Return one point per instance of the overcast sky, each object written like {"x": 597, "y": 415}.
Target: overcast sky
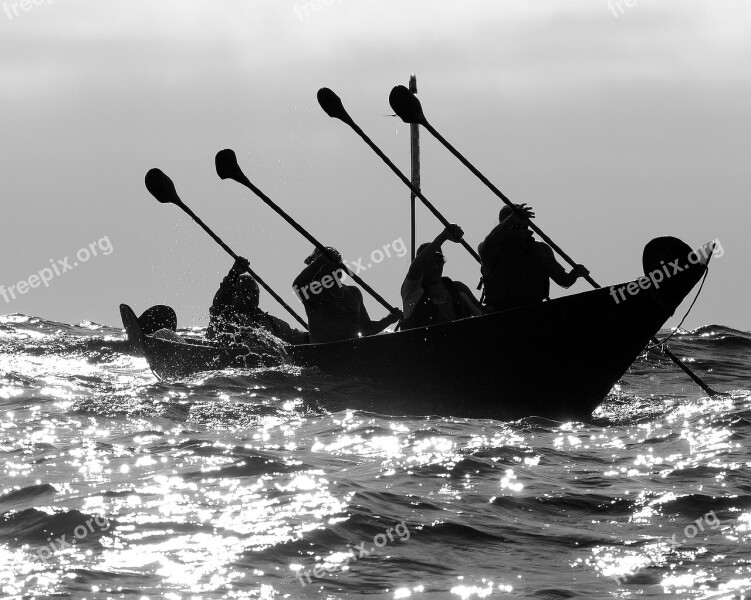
{"x": 617, "y": 123}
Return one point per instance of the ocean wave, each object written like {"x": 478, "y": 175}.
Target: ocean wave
{"x": 38, "y": 527}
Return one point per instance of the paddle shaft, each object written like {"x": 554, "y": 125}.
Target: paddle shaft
{"x": 555, "y": 246}
{"x": 247, "y": 183}
{"x": 686, "y": 370}
{"x": 408, "y": 183}
{"x": 502, "y": 196}
{"x": 229, "y": 251}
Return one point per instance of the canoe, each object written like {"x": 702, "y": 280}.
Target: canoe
{"x": 557, "y": 359}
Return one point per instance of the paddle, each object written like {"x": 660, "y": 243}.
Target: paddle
{"x": 332, "y": 106}
{"x": 163, "y": 189}
{"x": 408, "y": 107}
{"x": 228, "y": 168}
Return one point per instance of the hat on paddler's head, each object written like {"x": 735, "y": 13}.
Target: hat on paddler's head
{"x": 422, "y": 247}
{"x": 335, "y": 252}
{"x": 317, "y": 252}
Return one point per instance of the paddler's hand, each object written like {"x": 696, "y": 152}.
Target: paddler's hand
{"x": 241, "y": 265}
{"x": 315, "y": 254}
{"x": 394, "y": 316}
{"x": 580, "y": 271}
{"x": 524, "y": 212}
{"x": 454, "y": 233}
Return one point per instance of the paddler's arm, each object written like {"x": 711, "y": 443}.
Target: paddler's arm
{"x": 368, "y": 327}
{"x": 287, "y": 333}
{"x": 226, "y": 291}
{"x": 491, "y": 246}
{"x": 308, "y": 275}
{"x": 473, "y": 304}
{"x": 422, "y": 261}
{"x": 556, "y": 271}
{"x": 411, "y": 293}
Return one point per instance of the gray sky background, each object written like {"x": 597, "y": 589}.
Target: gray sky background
{"x": 616, "y": 129}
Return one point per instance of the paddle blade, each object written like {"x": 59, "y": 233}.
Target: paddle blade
{"x": 156, "y": 318}
{"x": 406, "y": 105}
{"x": 332, "y": 104}
{"x": 227, "y": 167}
{"x": 161, "y": 187}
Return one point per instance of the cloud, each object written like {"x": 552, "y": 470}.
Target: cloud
{"x": 514, "y": 45}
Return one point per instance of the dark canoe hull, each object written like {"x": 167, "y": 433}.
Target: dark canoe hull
{"x": 175, "y": 360}
{"x": 557, "y": 359}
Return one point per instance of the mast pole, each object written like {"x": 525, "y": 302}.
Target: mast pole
{"x": 414, "y": 137}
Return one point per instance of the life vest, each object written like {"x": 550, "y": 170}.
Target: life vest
{"x": 426, "y": 311}
{"x": 516, "y": 279}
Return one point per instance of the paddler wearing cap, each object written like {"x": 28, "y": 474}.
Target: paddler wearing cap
{"x": 517, "y": 268}
{"x": 335, "y": 311}
{"x": 428, "y": 297}
{"x": 235, "y": 310}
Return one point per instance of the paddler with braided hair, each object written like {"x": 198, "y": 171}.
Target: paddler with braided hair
{"x": 235, "y": 308}
{"x": 428, "y": 297}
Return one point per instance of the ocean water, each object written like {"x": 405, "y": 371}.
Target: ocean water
{"x": 233, "y": 484}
